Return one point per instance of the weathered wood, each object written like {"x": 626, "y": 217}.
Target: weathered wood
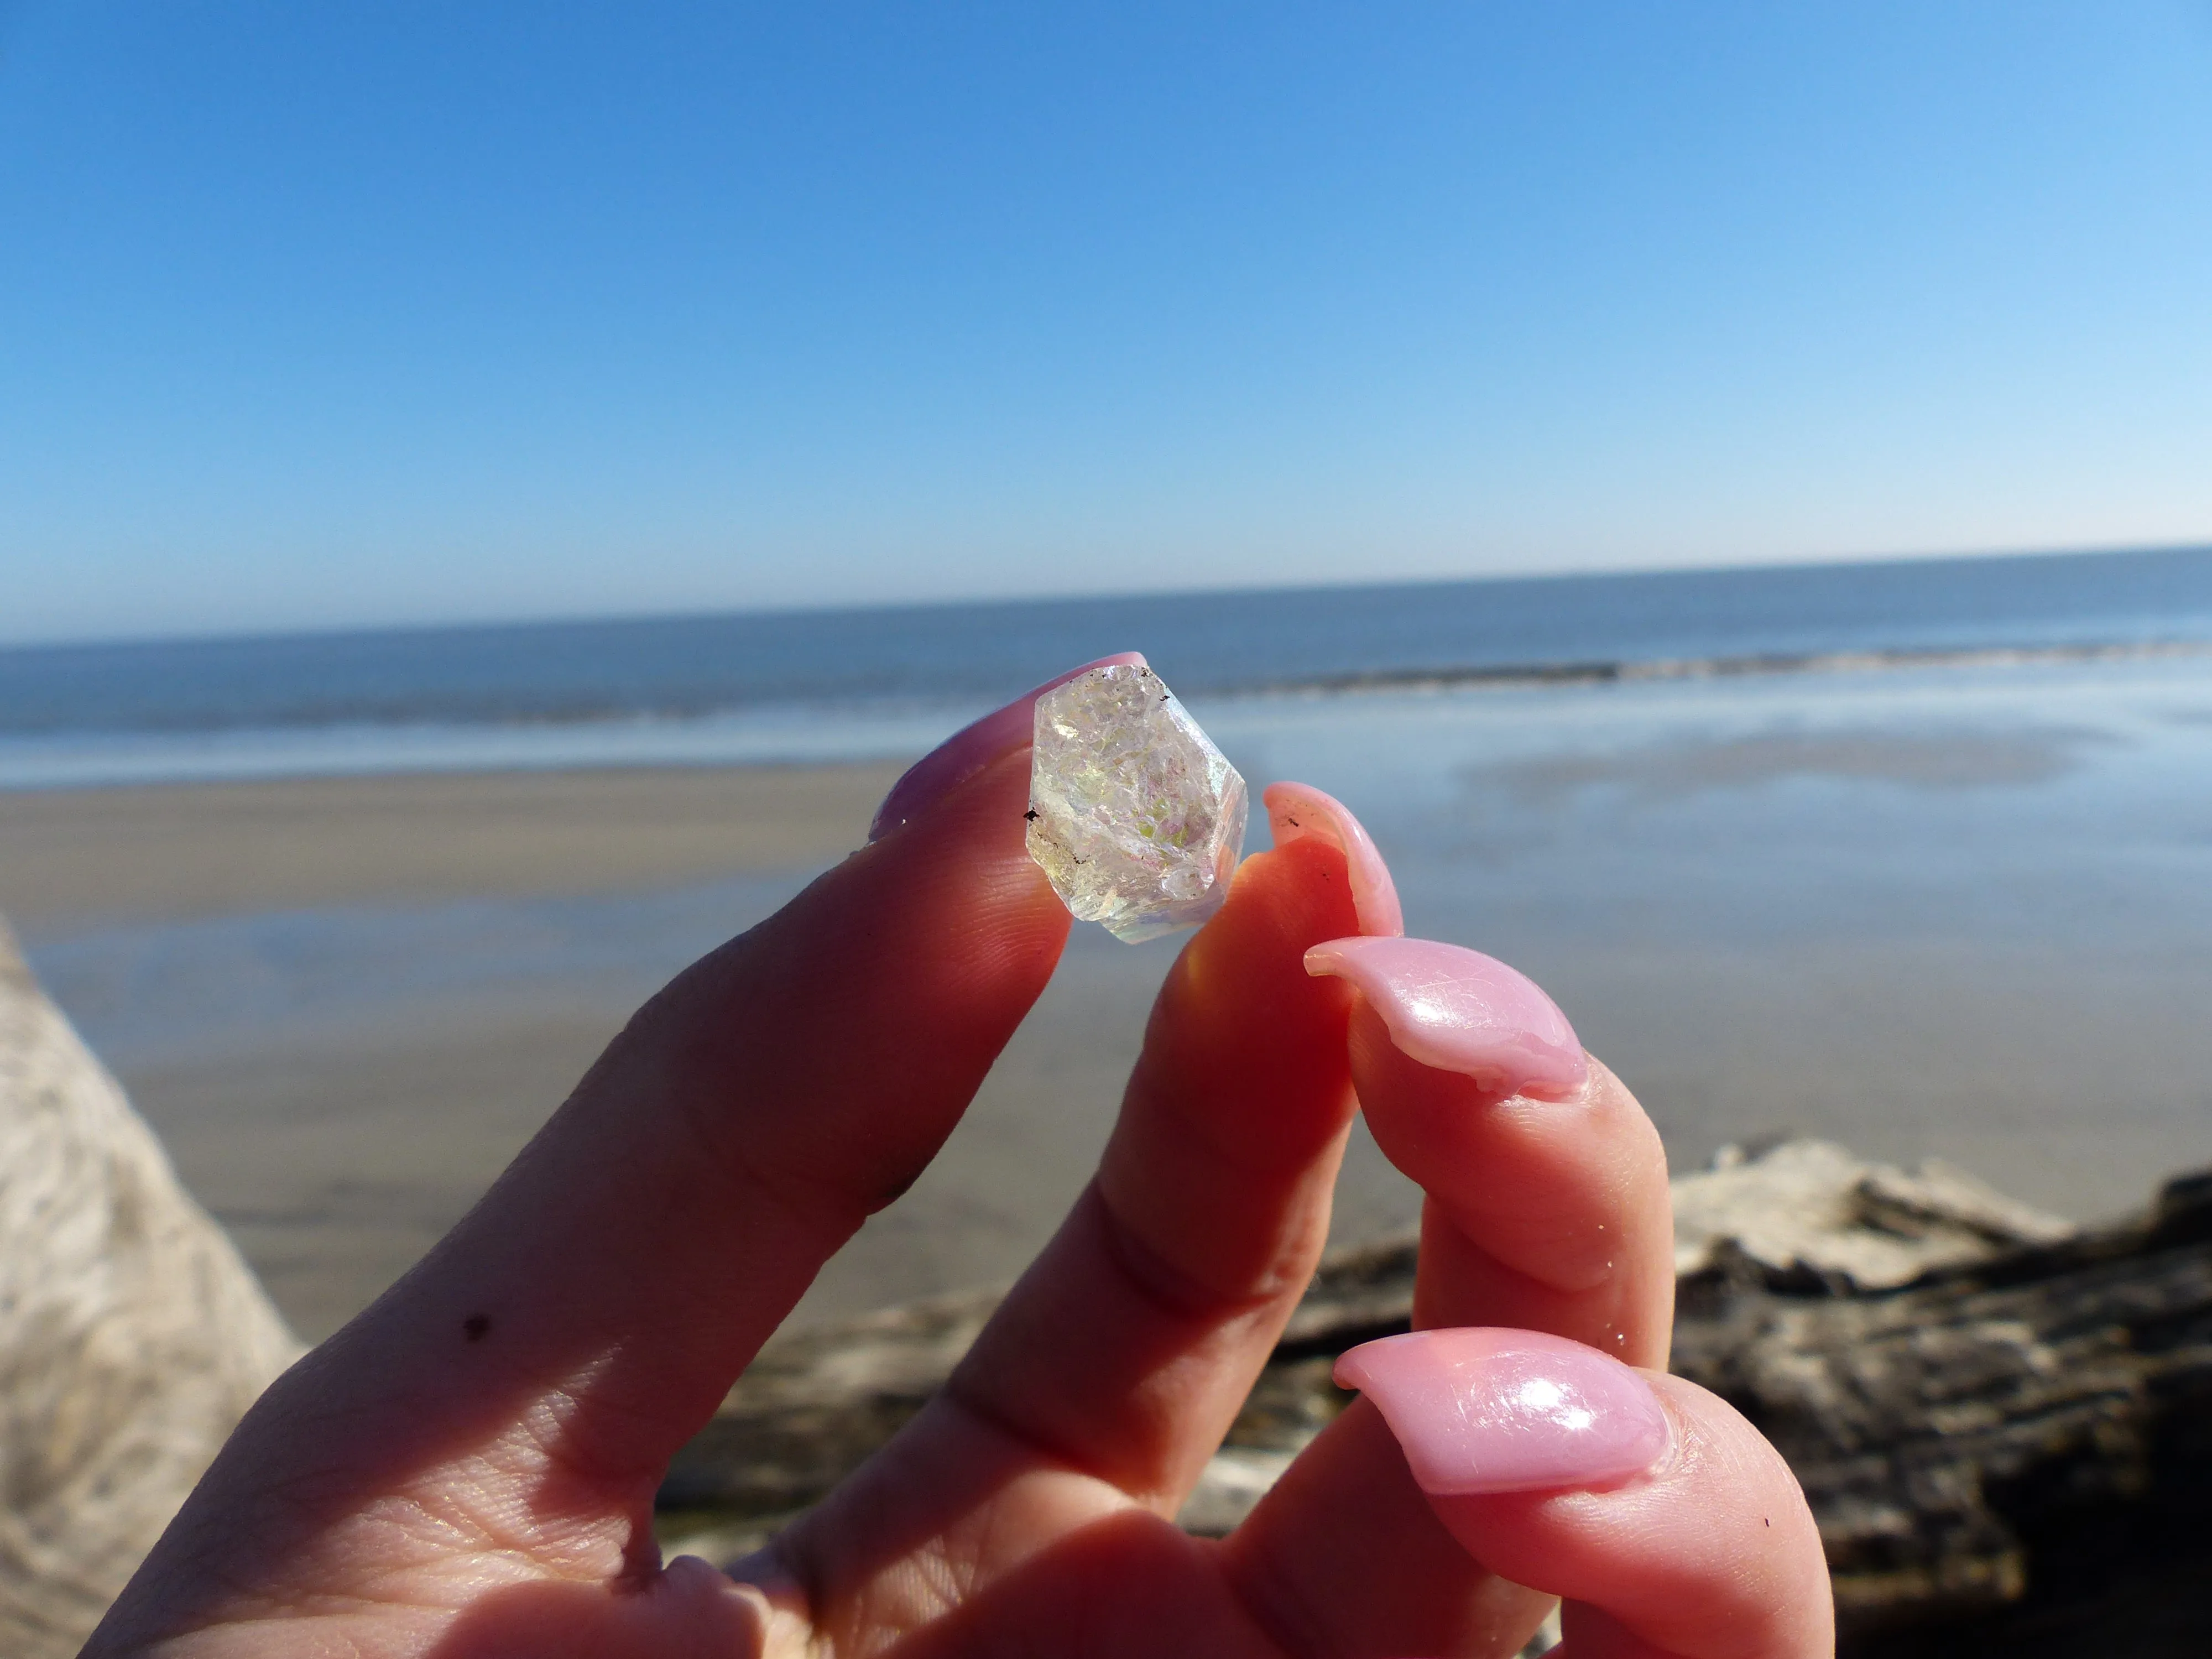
{"x": 2010, "y": 1453}
{"x": 1812, "y": 1216}
{"x": 133, "y": 1338}
{"x": 814, "y": 1405}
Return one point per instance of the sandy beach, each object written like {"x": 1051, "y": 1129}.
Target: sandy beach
{"x": 337, "y": 1136}
{"x": 69, "y": 857}
{"x": 1963, "y": 919}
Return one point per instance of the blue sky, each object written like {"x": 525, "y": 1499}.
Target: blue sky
{"x": 339, "y": 313}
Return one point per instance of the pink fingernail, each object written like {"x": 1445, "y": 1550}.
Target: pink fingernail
{"x": 1460, "y": 1011}
{"x": 1299, "y": 811}
{"x": 969, "y": 749}
{"x": 1488, "y": 1411}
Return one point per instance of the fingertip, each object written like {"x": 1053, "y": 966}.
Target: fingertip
{"x": 1455, "y": 1010}
{"x": 1283, "y": 901}
{"x": 974, "y": 747}
{"x": 1298, "y": 811}
{"x": 1712, "y": 1552}
{"x": 1486, "y": 1411}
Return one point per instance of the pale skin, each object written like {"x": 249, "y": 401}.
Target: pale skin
{"x": 468, "y": 1469}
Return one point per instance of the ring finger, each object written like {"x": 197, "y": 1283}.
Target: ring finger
{"x": 1546, "y": 1210}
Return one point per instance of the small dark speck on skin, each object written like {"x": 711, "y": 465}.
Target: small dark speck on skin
{"x": 476, "y": 1326}
{"x": 1764, "y": 1521}
{"x": 1031, "y": 815}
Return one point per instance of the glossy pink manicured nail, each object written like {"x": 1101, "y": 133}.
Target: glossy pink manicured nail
{"x": 1460, "y": 1011}
{"x": 1299, "y": 811}
{"x": 1488, "y": 1411}
{"x": 969, "y": 749}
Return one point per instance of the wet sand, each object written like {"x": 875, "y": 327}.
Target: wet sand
{"x": 73, "y": 858}
{"x": 1972, "y": 920}
{"x": 246, "y": 957}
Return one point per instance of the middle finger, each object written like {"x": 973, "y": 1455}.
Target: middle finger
{"x": 1131, "y": 1342}
{"x": 1546, "y": 1210}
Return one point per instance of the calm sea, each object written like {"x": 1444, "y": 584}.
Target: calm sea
{"x": 872, "y": 682}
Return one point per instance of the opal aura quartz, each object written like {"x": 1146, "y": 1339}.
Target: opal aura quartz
{"x": 1135, "y": 815}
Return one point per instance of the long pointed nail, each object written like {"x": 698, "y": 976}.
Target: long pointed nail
{"x": 1299, "y": 811}
{"x": 1460, "y": 1011}
{"x": 969, "y": 749}
{"x": 1491, "y": 1410}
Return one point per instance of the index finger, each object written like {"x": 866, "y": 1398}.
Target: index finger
{"x": 583, "y": 1321}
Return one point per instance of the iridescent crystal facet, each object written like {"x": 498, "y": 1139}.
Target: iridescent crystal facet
{"x": 1133, "y": 813}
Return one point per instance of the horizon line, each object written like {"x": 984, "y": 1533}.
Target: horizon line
{"x": 719, "y": 612}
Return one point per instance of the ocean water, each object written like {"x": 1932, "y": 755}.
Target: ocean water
{"x": 850, "y": 685}
{"x": 1917, "y": 858}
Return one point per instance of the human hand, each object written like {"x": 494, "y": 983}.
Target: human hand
{"x": 468, "y": 1469}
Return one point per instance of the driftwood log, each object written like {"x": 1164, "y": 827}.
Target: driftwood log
{"x": 133, "y": 1338}
{"x": 2003, "y": 1425}
{"x": 2008, "y": 1457}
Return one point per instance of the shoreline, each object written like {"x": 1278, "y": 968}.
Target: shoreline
{"x": 1965, "y": 928}
{"x": 769, "y": 736}
{"x": 345, "y": 1005}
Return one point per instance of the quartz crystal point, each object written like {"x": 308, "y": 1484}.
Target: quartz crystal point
{"x": 1133, "y": 813}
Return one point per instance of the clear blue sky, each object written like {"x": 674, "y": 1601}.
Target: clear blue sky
{"x": 319, "y": 315}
